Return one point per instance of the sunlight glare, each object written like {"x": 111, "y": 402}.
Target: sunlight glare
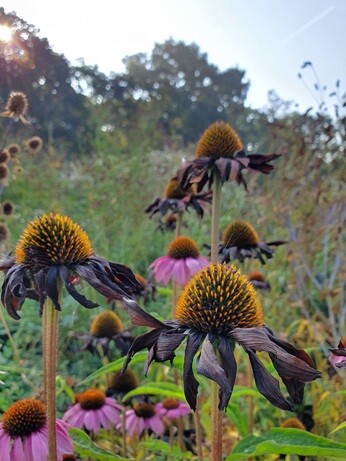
{"x": 5, "y": 33}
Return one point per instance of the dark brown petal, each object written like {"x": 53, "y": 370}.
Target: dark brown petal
{"x": 301, "y": 354}
{"x": 193, "y": 343}
{"x": 208, "y": 366}
{"x": 141, "y": 318}
{"x": 266, "y": 384}
{"x": 166, "y": 344}
{"x": 227, "y": 359}
{"x": 99, "y": 279}
{"x": 144, "y": 341}
{"x": 39, "y": 279}
{"x": 228, "y": 168}
{"x": 65, "y": 276}
{"x": 297, "y": 362}
{"x": 51, "y": 286}
{"x": 13, "y": 293}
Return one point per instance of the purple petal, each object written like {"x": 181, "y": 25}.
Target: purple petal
{"x": 63, "y": 439}
{"x": 90, "y": 422}
{"x": 17, "y": 452}
{"x": 156, "y": 424}
{"x": 5, "y": 447}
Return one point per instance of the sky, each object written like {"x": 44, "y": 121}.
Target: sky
{"x": 269, "y": 39}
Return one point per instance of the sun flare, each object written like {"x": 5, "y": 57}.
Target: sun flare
{"x": 5, "y": 33}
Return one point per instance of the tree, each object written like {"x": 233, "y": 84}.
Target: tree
{"x": 28, "y": 64}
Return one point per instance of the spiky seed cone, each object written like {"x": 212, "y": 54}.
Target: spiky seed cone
{"x": 293, "y": 423}
{"x": 3, "y": 171}
{"x": 17, "y": 104}
{"x": 13, "y": 149}
{"x": 240, "y": 234}
{"x": 52, "y": 240}
{"x": 218, "y": 140}
{"x": 24, "y": 417}
{"x": 4, "y": 155}
{"x": 144, "y": 410}
{"x": 7, "y": 208}
{"x": 33, "y": 145}
{"x": 174, "y": 191}
{"x": 124, "y": 382}
{"x": 218, "y": 299}
{"x": 182, "y": 247}
{"x": 106, "y": 325}
{"x": 91, "y": 399}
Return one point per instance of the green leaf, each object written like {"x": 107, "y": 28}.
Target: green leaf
{"x": 287, "y": 442}
{"x": 114, "y": 366}
{"x": 238, "y": 418}
{"x": 163, "y": 389}
{"x": 85, "y": 448}
{"x": 341, "y": 426}
{"x": 165, "y": 450}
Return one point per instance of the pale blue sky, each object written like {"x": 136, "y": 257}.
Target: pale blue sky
{"x": 270, "y": 39}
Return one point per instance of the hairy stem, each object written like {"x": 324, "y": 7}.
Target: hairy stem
{"x": 216, "y": 415}
{"x": 50, "y": 334}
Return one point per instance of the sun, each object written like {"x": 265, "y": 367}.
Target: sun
{"x": 5, "y": 33}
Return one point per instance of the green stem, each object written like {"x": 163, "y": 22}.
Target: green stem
{"x": 50, "y": 340}
{"x": 216, "y": 415}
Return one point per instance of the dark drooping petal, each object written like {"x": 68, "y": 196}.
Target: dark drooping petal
{"x": 65, "y": 277}
{"x": 294, "y": 366}
{"x": 193, "y": 343}
{"x": 267, "y": 385}
{"x": 208, "y": 366}
{"x": 14, "y": 290}
{"x": 227, "y": 360}
{"x": 52, "y": 287}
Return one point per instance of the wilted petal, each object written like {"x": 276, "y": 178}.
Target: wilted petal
{"x": 267, "y": 385}
{"x": 166, "y": 345}
{"x": 227, "y": 359}
{"x": 144, "y": 341}
{"x": 208, "y": 366}
{"x": 65, "y": 276}
{"x": 193, "y": 342}
{"x": 141, "y": 318}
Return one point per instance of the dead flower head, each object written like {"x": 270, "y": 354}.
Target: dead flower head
{"x": 218, "y": 309}
{"x": 53, "y": 247}
{"x": 220, "y": 151}
{"x": 16, "y": 107}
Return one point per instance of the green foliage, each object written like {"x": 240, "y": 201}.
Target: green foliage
{"x": 287, "y": 441}
{"x": 85, "y": 448}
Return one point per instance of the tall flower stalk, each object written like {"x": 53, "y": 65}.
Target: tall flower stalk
{"x": 216, "y": 414}
{"x": 50, "y": 334}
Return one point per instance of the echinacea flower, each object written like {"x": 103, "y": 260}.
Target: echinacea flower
{"x": 293, "y": 423}
{"x": 7, "y": 208}
{"x": 181, "y": 261}
{"x": 33, "y": 145}
{"x": 93, "y": 410}
{"x": 16, "y": 106}
{"x": 24, "y": 433}
{"x": 217, "y": 309}
{"x": 176, "y": 200}
{"x": 220, "y": 151}
{"x": 173, "y": 408}
{"x": 53, "y": 247}
{"x": 122, "y": 383}
{"x": 143, "y": 416}
{"x": 5, "y": 156}
{"x": 338, "y": 355}
{"x": 258, "y": 281}
{"x": 240, "y": 240}
{"x": 13, "y": 150}
{"x": 106, "y": 328}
